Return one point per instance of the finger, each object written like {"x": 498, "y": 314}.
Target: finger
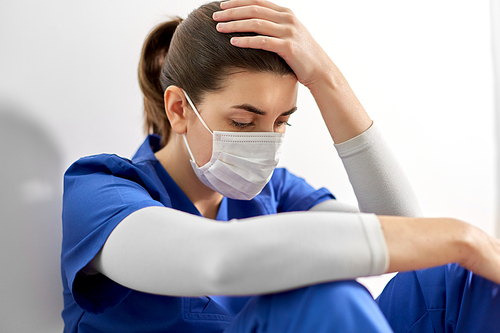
{"x": 261, "y": 3}
{"x": 260, "y": 27}
{"x": 272, "y": 44}
{"x": 249, "y": 12}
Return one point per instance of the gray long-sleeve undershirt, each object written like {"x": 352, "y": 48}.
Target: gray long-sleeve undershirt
{"x": 380, "y": 185}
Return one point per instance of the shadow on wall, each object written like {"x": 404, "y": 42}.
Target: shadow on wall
{"x": 30, "y": 236}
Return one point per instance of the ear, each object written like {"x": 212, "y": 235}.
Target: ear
{"x": 175, "y": 103}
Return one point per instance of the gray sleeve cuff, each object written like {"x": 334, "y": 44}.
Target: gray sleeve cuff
{"x": 360, "y": 142}
{"x": 377, "y": 244}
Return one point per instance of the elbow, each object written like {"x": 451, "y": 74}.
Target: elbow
{"x": 211, "y": 276}
{"x": 220, "y": 268}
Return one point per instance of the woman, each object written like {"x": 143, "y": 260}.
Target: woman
{"x": 144, "y": 239}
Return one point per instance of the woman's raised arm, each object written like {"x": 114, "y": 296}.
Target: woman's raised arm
{"x": 281, "y": 32}
{"x": 377, "y": 179}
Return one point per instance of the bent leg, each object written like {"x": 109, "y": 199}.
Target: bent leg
{"x": 445, "y": 299}
{"x": 343, "y": 306}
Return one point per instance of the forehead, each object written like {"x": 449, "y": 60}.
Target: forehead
{"x": 264, "y": 90}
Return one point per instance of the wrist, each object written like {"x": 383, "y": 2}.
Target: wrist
{"x": 328, "y": 77}
{"x": 481, "y": 254}
{"x": 341, "y": 110}
{"x": 468, "y": 244}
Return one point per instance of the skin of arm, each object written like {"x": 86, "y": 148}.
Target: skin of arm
{"x": 416, "y": 243}
{"x": 411, "y": 247}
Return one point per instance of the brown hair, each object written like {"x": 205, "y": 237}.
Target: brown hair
{"x": 194, "y": 56}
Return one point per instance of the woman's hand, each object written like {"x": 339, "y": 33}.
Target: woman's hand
{"x": 485, "y": 255}
{"x": 417, "y": 243}
{"x": 278, "y": 31}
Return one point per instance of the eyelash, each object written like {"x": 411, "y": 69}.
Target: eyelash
{"x": 240, "y": 125}
{"x": 280, "y": 123}
{"x": 245, "y": 125}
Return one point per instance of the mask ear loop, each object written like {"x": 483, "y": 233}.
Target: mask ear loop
{"x": 189, "y": 150}
{"x": 202, "y": 121}
{"x": 196, "y": 111}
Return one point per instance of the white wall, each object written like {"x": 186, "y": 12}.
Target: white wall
{"x": 422, "y": 69}
{"x": 495, "y": 38}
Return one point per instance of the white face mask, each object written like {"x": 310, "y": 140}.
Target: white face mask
{"x": 242, "y": 163}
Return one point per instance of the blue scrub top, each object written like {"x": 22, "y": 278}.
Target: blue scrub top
{"x": 99, "y": 192}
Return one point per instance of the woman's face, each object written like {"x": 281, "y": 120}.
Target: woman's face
{"x": 250, "y": 102}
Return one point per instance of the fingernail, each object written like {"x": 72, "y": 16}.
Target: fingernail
{"x": 234, "y": 40}
{"x": 216, "y": 15}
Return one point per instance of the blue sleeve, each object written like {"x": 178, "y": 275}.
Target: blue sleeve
{"x": 99, "y": 192}
{"x": 295, "y": 194}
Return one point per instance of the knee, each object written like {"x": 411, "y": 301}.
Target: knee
{"x": 347, "y": 291}
{"x": 340, "y": 301}
{"x": 343, "y": 306}
{"x": 347, "y": 305}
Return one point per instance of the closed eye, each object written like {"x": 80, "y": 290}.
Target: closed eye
{"x": 241, "y": 125}
{"x": 282, "y": 123}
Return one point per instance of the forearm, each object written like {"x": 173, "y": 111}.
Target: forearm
{"x": 342, "y": 112}
{"x": 416, "y": 243}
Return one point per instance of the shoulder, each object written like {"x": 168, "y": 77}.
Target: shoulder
{"x": 108, "y": 163}
{"x": 282, "y": 175}
{"x": 110, "y": 176}
{"x": 283, "y": 181}
{"x": 143, "y": 161}
{"x": 102, "y": 189}
{"x": 294, "y": 193}
{"x": 105, "y": 165}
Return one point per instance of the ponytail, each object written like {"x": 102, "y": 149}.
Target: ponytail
{"x": 153, "y": 55}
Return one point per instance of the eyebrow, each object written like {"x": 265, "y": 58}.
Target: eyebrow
{"x": 253, "y": 109}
